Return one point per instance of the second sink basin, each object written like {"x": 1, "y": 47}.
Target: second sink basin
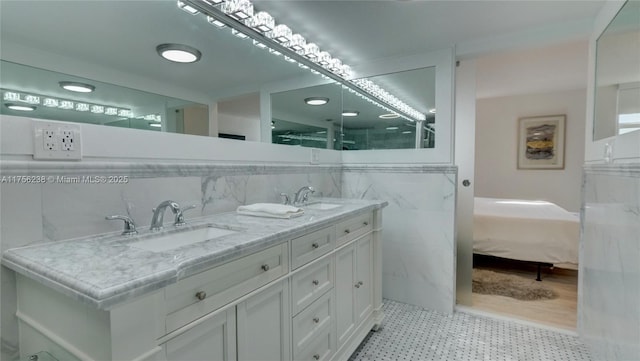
{"x": 323, "y": 206}
{"x": 178, "y": 239}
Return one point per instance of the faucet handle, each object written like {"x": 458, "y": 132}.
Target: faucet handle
{"x": 285, "y": 198}
{"x": 129, "y": 225}
{"x": 180, "y": 215}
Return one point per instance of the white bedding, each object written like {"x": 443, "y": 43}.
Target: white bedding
{"x": 536, "y": 231}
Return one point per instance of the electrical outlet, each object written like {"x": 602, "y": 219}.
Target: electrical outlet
{"x": 56, "y": 141}
{"x": 66, "y": 140}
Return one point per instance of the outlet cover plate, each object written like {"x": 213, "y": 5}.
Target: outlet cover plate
{"x": 56, "y": 141}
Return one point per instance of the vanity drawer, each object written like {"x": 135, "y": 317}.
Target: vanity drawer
{"x": 353, "y": 228}
{"x": 207, "y": 291}
{"x": 311, "y": 246}
{"x": 310, "y": 325}
{"x": 311, "y": 283}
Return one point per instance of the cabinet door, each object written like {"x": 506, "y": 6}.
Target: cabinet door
{"x": 213, "y": 339}
{"x": 364, "y": 278}
{"x": 345, "y": 293}
{"x": 264, "y": 325}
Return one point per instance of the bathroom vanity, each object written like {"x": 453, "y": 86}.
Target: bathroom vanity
{"x": 306, "y": 288}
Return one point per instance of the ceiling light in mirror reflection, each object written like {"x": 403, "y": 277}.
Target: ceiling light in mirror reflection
{"x": 77, "y": 87}
{"x": 316, "y": 100}
{"x": 18, "y": 107}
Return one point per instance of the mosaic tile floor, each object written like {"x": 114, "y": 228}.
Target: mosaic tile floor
{"x": 413, "y": 333}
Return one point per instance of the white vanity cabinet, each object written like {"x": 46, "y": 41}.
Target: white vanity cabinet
{"x": 314, "y": 296}
{"x": 354, "y": 288}
{"x": 211, "y": 339}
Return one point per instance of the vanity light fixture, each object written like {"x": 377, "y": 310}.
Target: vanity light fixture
{"x": 20, "y": 107}
{"x": 77, "y": 87}
{"x": 179, "y": 53}
{"x": 238, "y": 9}
{"x": 389, "y": 116}
{"x": 350, "y": 113}
{"x": 216, "y": 22}
{"x": 187, "y": 8}
{"x": 280, "y": 33}
{"x": 262, "y": 22}
{"x": 316, "y": 100}
{"x": 239, "y": 16}
{"x": 239, "y": 34}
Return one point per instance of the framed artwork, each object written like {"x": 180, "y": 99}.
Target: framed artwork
{"x": 541, "y": 142}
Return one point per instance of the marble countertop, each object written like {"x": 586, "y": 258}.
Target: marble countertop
{"x": 105, "y": 270}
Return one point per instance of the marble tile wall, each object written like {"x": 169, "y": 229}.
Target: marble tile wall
{"x": 61, "y": 208}
{"x": 418, "y": 259}
{"x": 609, "y": 300}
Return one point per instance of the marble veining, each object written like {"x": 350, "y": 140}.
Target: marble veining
{"x": 609, "y": 315}
{"x": 418, "y": 249}
{"x": 104, "y": 270}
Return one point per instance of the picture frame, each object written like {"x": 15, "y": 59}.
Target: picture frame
{"x": 541, "y": 142}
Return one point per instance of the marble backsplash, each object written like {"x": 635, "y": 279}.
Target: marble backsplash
{"x": 419, "y": 250}
{"x": 609, "y": 303}
{"x": 63, "y": 207}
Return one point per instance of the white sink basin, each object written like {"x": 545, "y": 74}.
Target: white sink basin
{"x": 323, "y": 206}
{"x": 178, "y": 239}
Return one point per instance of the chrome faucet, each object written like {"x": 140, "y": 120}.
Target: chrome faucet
{"x": 158, "y": 214}
{"x": 129, "y": 225}
{"x": 302, "y": 195}
{"x": 285, "y": 199}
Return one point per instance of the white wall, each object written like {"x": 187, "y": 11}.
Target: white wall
{"x": 240, "y": 116}
{"x": 496, "y": 171}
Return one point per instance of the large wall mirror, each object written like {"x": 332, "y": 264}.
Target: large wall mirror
{"x": 217, "y": 95}
{"x": 617, "y": 100}
{"x": 336, "y": 117}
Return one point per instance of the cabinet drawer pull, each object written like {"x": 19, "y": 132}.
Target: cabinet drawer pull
{"x": 315, "y": 245}
{"x": 357, "y": 285}
{"x": 360, "y": 283}
{"x": 265, "y": 267}
{"x": 201, "y": 295}
{"x": 366, "y": 223}
{"x": 316, "y": 357}
{"x": 315, "y": 282}
{"x": 316, "y": 320}
{"x": 347, "y": 231}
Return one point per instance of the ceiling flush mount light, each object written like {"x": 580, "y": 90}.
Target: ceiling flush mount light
{"x": 77, "y": 87}
{"x": 350, "y": 113}
{"x": 20, "y": 107}
{"x": 389, "y": 116}
{"x": 178, "y": 53}
{"x": 316, "y": 100}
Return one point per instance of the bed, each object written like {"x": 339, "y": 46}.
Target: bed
{"x": 524, "y": 230}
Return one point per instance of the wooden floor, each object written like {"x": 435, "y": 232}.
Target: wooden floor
{"x": 560, "y": 312}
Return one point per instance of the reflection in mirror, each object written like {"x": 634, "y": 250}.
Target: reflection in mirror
{"x": 373, "y": 127}
{"x": 356, "y": 122}
{"x": 304, "y": 135}
{"x": 617, "y": 100}
{"x": 295, "y": 114}
{"x": 38, "y": 93}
